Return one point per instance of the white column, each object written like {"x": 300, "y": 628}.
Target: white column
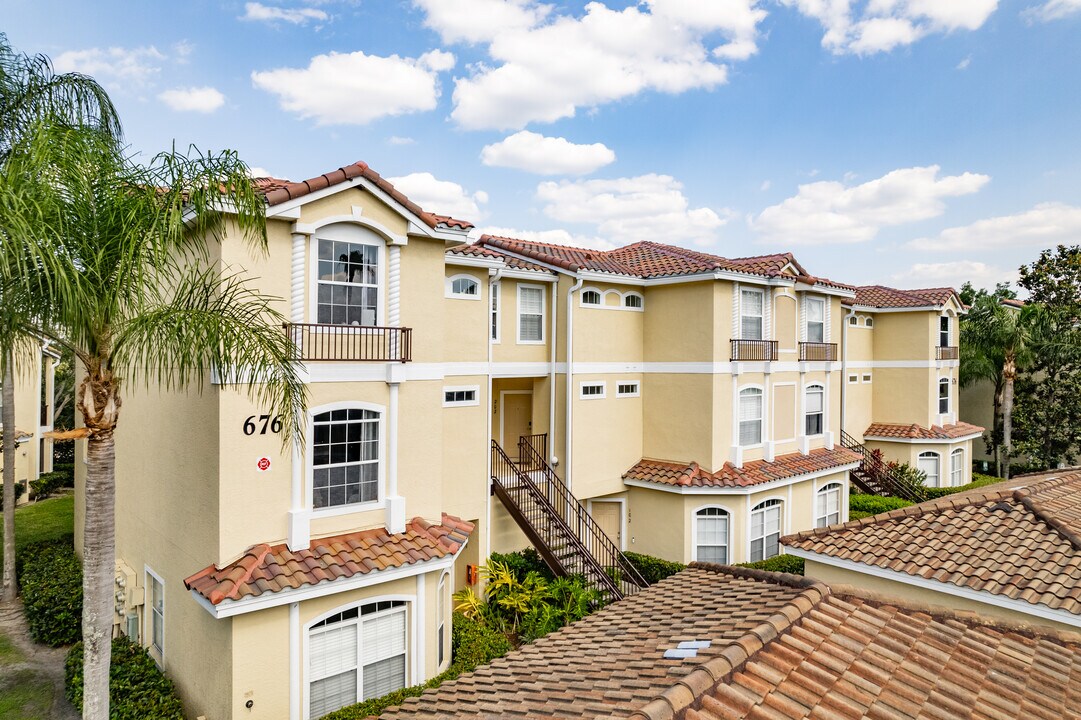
{"x": 395, "y": 516}
{"x": 801, "y": 412}
{"x": 296, "y": 278}
{"x": 737, "y": 451}
{"x": 394, "y": 287}
{"x": 767, "y": 417}
{"x": 826, "y": 404}
{"x": 296, "y": 694}
{"x": 299, "y": 531}
{"x": 420, "y": 633}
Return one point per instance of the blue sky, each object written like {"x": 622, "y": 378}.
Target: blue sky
{"x": 904, "y": 142}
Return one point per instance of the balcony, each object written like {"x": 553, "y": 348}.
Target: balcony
{"x": 351, "y": 343}
{"x": 817, "y": 351}
{"x": 946, "y": 352}
{"x": 754, "y": 350}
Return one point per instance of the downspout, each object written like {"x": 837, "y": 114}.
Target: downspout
{"x": 570, "y": 381}
{"x": 552, "y": 459}
{"x": 493, "y": 280}
{"x": 844, "y": 366}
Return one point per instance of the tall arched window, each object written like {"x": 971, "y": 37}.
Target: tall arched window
{"x": 750, "y": 416}
{"x": 348, "y": 275}
{"x": 957, "y": 467}
{"x": 828, "y": 505}
{"x": 442, "y": 610}
{"x": 814, "y": 410}
{"x": 765, "y": 529}
{"x": 928, "y": 462}
{"x": 711, "y": 535}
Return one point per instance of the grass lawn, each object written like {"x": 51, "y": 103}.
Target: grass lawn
{"x": 50, "y": 519}
{"x": 26, "y": 695}
{"x": 9, "y": 654}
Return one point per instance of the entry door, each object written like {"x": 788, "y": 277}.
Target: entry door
{"x": 517, "y": 420}
{"x": 608, "y": 517}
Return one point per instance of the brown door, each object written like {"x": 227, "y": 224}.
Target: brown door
{"x": 517, "y": 420}
{"x": 608, "y": 517}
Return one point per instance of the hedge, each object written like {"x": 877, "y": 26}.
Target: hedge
{"x": 472, "y": 645}
{"x": 137, "y": 687}
{"x": 51, "y": 579}
{"x": 653, "y": 569}
{"x": 47, "y": 484}
{"x": 68, "y": 469}
{"x": 522, "y": 562}
{"x": 978, "y": 480}
{"x": 861, "y": 506}
{"x": 779, "y": 563}
{"x": 20, "y": 488}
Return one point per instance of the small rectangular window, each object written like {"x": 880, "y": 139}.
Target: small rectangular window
{"x": 627, "y": 389}
{"x": 460, "y": 396}
{"x": 944, "y": 331}
{"x": 867, "y": 378}
{"x": 592, "y": 390}
{"x": 853, "y": 379}
{"x": 156, "y": 598}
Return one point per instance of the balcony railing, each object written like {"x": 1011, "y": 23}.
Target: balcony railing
{"x": 946, "y": 352}
{"x": 353, "y": 343}
{"x": 754, "y": 350}
{"x": 814, "y": 351}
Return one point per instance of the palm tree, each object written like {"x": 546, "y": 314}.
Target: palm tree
{"x": 122, "y": 270}
{"x": 32, "y": 93}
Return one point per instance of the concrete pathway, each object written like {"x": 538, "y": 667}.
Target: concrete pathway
{"x": 37, "y": 662}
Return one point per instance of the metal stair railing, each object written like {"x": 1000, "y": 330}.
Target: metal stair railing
{"x": 883, "y": 479}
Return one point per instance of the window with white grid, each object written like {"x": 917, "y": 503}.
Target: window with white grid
{"x": 711, "y": 535}
{"x": 751, "y": 306}
{"x": 530, "y": 314}
{"x": 957, "y": 467}
{"x": 347, "y": 283}
{"x": 345, "y": 457}
{"x": 750, "y": 416}
{"x": 928, "y": 463}
{"x": 828, "y": 505}
{"x": 765, "y": 530}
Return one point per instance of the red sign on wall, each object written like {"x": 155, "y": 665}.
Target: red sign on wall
{"x": 263, "y": 464}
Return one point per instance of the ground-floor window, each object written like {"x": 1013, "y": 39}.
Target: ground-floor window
{"x": 957, "y": 467}
{"x": 156, "y": 590}
{"x": 765, "y": 530}
{"x": 443, "y": 604}
{"x": 356, "y": 655}
{"x": 927, "y": 463}
{"x": 828, "y": 505}
{"x": 711, "y": 535}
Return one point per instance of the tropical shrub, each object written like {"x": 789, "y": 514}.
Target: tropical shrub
{"x": 653, "y": 569}
{"x": 779, "y": 563}
{"x": 138, "y": 689}
{"x": 861, "y": 506}
{"x": 20, "y": 488}
{"x": 52, "y": 590}
{"x": 523, "y": 562}
{"x": 47, "y": 484}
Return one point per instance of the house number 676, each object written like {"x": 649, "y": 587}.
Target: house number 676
{"x": 252, "y": 424}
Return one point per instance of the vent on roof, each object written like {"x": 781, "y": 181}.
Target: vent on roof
{"x": 686, "y": 649}
{"x": 1001, "y": 507}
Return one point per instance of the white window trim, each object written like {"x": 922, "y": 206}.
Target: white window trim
{"x": 694, "y": 531}
{"x": 926, "y": 454}
{"x": 958, "y": 452}
{"x": 866, "y": 378}
{"x": 309, "y": 468}
{"x": 833, "y": 485}
{"x": 939, "y": 398}
{"x": 497, "y": 311}
{"x": 822, "y": 389}
{"x": 363, "y": 236}
{"x": 148, "y": 619}
{"x": 742, "y": 314}
{"x": 449, "y": 285}
{"x": 949, "y": 330}
{"x": 631, "y": 293}
{"x": 808, "y": 301}
{"x": 781, "y": 515}
{"x": 637, "y": 388}
{"x": 853, "y": 379}
{"x": 592, "y": 383}
{"x": 443, "y": 597}
{"x": 592, "y": 306}
{"x": 461, "y": 403}
{"x": 761, "y": 419}
{"x": 543, "y": 314}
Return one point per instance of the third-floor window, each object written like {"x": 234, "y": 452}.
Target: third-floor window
{"x": 816, "y": 320}
{"x": 348, "y": 283}
{"x": 751, "y": 304}
{"x": 944, "y": 331}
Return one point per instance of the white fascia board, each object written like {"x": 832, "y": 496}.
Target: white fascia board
{"x": 744, "y": 490}
{"x": 923, "y": 441}
{"x": 531, "y": 275}
{"x": 873, "y": 309}
{"x": 825, "y": 290}
{"x": 467, "y": 261}
{"x": 1000, "y": 601}
{"x": 613, "y": 278}
{"x": 229, "y": 608}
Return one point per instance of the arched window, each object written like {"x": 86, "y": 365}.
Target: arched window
{"x": 345, "y": 457}
{"x": 348, "y": 277}
{"x": 750, "y": 416}
{"x": 957, "y": 467}
{"x": 355, "y": 655}
{"x": 464, "y": 287}
{"x": 828, "y": 505}
{"x": 632, "y": 300}
{"x": 765, "y": 529}
{"x": 853, "y": 320}
{"x": 814, "y": 404}
{"x": 928, "y": 463}
{"x": 591, "y": 297}
{"x": 711, "y": 535}
{"x": 869, "y": 322}
{"x": 944, "y": 395}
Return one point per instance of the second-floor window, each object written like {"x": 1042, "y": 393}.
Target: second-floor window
{"x": 751, "y": 306}
{"x": 530, "y": 314}
{"x": 591, "y": 297}
{"x": 814, "y": 410}
{"x": 345, "y": 457}
{"x": 944, "y": 331}
{"x": 495, "y": 312}
{"x": 816, "y": 320}
{"x": 943, "y": 396}
{"x": 464, "y": 287}
{"x": 828, "y": 505}
{"x": 750, "y": 416}
{"x": 765, "y": 530}
{"x": 348, "y": 292}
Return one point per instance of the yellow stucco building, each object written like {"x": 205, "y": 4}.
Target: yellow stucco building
{"x": 471, "y": 397}
{"x": 34, "y": 372}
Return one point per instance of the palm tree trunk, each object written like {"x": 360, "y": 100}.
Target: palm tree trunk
{"x": 11, "y": 588}
{"x": 1009, "y": 373}
{"x": 996, "y": 421}
{"x": 99, "y": 551}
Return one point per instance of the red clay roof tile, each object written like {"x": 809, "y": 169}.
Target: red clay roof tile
{"x": 754, "y": 472}
{"x": 917, "y": 432}
{"x": 880, "y": 296}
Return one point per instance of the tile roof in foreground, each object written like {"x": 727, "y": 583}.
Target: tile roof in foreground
{"x": 917, "y": 432}
{"x": 754, "y": 472}
{"x": 273, "y": 568}
{"x": 880, "y": 296}
{"x": 277, "y": 191}
{"x": 1023, "y": 543}
{"x": 780, "y": 648}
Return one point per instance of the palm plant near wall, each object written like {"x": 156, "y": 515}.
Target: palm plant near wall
{"x": 31, "y": 94}
{"x": 122, "y": 269}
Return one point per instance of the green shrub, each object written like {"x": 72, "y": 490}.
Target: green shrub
{"x": 779, "y": 563}
{"x": 68, "y": 469}
{"x": 653, "y": 569}
{"x": 865, "y": 505}
{"x": 137, "y": 687}
{"x": 567, "y": 600}
{"x": 20, "y": 488}
{"x": 523, "y": 562}
{"x": 52, "y": 589}
{"x": 47, "y": 484}
{"x": 978, "y": 480}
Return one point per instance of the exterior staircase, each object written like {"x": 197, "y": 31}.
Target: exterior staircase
{"x": 558, "y": 525}
{"x": 875, "y": 477}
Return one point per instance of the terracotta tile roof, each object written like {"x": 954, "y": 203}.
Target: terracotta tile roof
{"x": 780, "y": 648}
{"x": 1010, "y": 302}
{"x": 1023, "y": 544}
{"x": 480, "y": 251}
{"x": 754, "y": 472}
{"x": 278, "y": 191}
{"x": 270, "y": 569}
{"x": 880, "y": 296}
{"x": 917, "y": 432}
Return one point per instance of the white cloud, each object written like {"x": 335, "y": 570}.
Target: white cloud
{"x": 356, "y": 88}
{"x": 555, "y": 237}
{"x": 963, "y": 65}
{"x": 1052, "y": 10}
{"x": 831, "y": 212}
{"x": 1045, "y": 225}
{"x": 865, "y": 28}
{"x": 194, "y": 99}
{"x": 546, "y": 66}
{"x": 129, "y": 67}
{"x": 953, "y": 274}
{"x": 399, "y": 140}
{"x": 766, "y": 185}
{"x": 542, "y": 155}
{"x": 266, "y": 13}
{"x": 442, "y": 197}
{"x": 647, "y": 207}
{"x": 261, "y": 172}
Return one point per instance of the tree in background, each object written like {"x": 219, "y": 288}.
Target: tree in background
{"x": 969, "y": 293}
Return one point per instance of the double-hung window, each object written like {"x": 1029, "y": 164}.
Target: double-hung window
{"x": 530, "y": 314}
{"x": 816, "y": 320}
{"x": 157, "y": 612}
{"x": 348, "y": 283}
{"x": 750, "y": 416}
{"x": 765, "y": 530}
{"x": 495, "y": 312}
{"x": 944, "y": 331}
{"x": 441, "y": 629}
{"x": 814, "y": 410}
{"x": 957, "y": 467}
{"x": 711, "y": 535}
{"x": 751, "y": 308}
{"x": 345, "y": 457}
{"x": 356, "y": 655}
{"x": 944, "y": 396}
{"x": 928, "y": 463}
{"x": 828, "y": 505}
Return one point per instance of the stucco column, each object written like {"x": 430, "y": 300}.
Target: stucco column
{"x": 296, "y": 278}
{"x": 395, "y": 516}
